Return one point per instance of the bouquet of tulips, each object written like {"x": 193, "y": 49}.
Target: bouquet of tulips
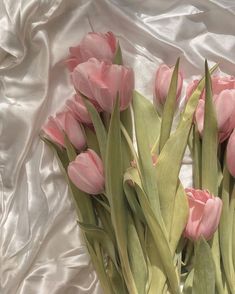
{"x": 121, "y": 156}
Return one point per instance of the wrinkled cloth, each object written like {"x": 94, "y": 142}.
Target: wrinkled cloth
{"x": 42, "y": 250}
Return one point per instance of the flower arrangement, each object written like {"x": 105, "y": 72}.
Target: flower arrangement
{"x": 121, "y": 156}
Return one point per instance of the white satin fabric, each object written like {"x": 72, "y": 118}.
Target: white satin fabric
{"x": 42, "y": 251}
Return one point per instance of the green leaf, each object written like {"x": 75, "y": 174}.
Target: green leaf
{"x": 147, "y": 127}
{"x": 116, "y": 279}
{"x": 158, "y": 233}
{"x": 188, "y": 285}
{"x": 99, "y": 267}
{"x": 114, "y": 190}
{"x": 226, "y": 230}
{"x": 204, "y": 272}
{"x": 137, "y": 258}
{"x": 169, "y": 108}
{"x": 180, "y": 217}
{"x": 98, "y": 234}
{"x": 118, "y": 56}
{"x": 99, "y": 128}
{"x": 126, "y": 119}
{"x": 132, "y": 199}
{"x": 209, "y": 170}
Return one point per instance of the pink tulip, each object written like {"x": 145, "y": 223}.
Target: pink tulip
{"x": 204, "y": 214}
{"x": 190, "y": 89}
{"x": 101, "y": 82}
{"x": 225, "y": 112}
{"x": 218, "y": 85}
{"x": 87, "y": 172}
{"x": 78, "y": 108}
{"x": 231, "y": 154}
{"x": 64, "y": 122}
{"x": 100, "y": 46}
{"x": 162, "y": 84}
{"x": 222, "y": 83}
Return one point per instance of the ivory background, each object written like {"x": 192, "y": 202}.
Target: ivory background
{"x": 41, "y": 247}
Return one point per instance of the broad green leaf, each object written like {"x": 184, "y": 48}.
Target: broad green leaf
{"x": 99, "y": 234}
{"x": 100, "y": 270}
{"x": 137, "y": 258}
{"x": 132, "y": 199}
{"x": 158, "y": 233}
{"x": 226, "y": 230}
{"x": 118, "y": 56}
{"x": 170, "y": 158}
{"x": 126, "y": 119}
{"x": 188, "y": 285}
{"x": 169, "y": 108}
{"x": 180, "y": 217}
{"x": 114, "y": 190}
{"x": 209, "y": 171}
{"x": 204, "y": 271}
{"x": 158, "y": 277}
{"x": 105, "y": 218}
{"x": 147, "y": 127}
{"x": 99, "y": 128}
{"x": 116, "y": 279}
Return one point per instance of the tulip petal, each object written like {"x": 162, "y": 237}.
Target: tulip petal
{"x": 199, "y": 115}
{"x": 74, "y": 132}
{"x": 211, "y": 217}
{"x": 230, "y": 155}
{"x": 54, "y": 131}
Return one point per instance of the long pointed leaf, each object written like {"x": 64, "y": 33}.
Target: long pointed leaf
{"x": 169, "y": 108}
{"x": 114, "y": 190}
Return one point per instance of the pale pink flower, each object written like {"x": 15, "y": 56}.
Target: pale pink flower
{"x": 204, "y": 214}
{"x": 102, "y": 82}
{"x": 87, "y": 172}
{"x": 98, "y": 45}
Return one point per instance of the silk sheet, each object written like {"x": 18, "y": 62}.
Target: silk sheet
{"x": 42, "y": 251}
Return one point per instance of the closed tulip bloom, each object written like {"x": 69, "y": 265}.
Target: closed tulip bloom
{"x": 53, "y": 131}
{"x": 204, "y": 214}
{"x": 225, "y": 113}
{"x": 87, "y": 172}
{"x": 231, "y": 154}
{"x": 191, "y": 88}
{"x": 162, "y": 84}
{"x": 78, "y": 108}
{"x": 64, "y": 122}
{"x": 219, "y": 84}
{"x": 101, "y": 82}
{"x": 100, "y": 46}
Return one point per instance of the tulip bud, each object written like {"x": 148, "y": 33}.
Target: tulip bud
{"x": 65, "y": 122}
{"x": 225, "y": 112}
{"x": 100, "y": 46}
{"x": 204, "y": 214}
{"x": 78, "y": 108}
{"x": 102, "y": 82}
{"x": 162, "y": 84}
{"x": 230, "y": 155}
{"x": 87, "y": 172}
